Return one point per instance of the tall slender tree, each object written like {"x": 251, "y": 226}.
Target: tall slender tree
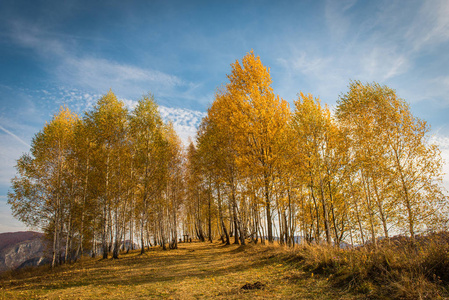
{"x": 395, "y": 159}
{"x": 40, "y": 191}
{"x": 147, "y": 138}
{"x": 256, "y": 119}
{"x": 107, "y": 124}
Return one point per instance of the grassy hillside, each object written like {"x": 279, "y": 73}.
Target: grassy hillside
{"x": 196, "y": 270}
{"x": 213, "y": 271}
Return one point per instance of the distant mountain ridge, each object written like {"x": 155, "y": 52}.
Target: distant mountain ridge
{"x": 10, "y": 238}
{"x": 21, "y": 249}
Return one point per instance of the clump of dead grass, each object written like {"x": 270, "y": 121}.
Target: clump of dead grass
{"x": 398, "y": 268}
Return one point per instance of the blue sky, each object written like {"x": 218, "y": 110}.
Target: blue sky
{"x": 71, "y": 52}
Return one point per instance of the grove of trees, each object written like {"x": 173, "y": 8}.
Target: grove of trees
{"x": 258, "y": 171}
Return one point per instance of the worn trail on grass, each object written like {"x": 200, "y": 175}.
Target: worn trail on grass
{"x": 194, "y": 271}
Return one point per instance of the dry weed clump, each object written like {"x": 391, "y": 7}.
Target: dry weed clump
{"x": 398, "y": 268}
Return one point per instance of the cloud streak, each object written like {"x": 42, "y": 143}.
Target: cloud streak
{"x": 101, "y": 74}
{"x": 386, "y": 43}
{"x": 95, "y": 73}
{"x": 431, "y": 25}
{"x": 15, "y": 137}
{"x": 334, "y": 13}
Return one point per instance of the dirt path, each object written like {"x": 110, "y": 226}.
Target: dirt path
{"x": 195, "y": 271}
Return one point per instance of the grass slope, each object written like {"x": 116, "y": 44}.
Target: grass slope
{"x": 194, "y": 271}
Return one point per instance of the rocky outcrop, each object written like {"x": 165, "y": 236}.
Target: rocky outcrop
{"x": 11, "y": 238}
{"x": 21, "y": 253}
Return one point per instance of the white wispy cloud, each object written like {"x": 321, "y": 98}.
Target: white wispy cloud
{"x": 34, "y": 37}
{"x": 336, "y": 18}
{"x": 101, "y": 74}
{"x": 309, "y": 65}
{"x": 329, "y": 74}
{"x": 185, "y": 121}
{"x": 91, "y": 72}
{"x": 11, "y": 148}
{"x": 371, "y": 42}
{"x": 15, "y": 136}
{"x": 431, "y": 25}
{"x": 383, "y": 63}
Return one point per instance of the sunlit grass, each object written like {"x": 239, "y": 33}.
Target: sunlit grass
{"x": 196, "y": 270}
{"x": 214, "y": 271}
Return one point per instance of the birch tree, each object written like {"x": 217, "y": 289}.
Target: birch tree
{"x": 40, "y": 195}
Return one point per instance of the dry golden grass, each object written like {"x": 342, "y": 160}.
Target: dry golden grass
{"x": 194, "y": 271}
{"x": 399, "y": 269}
{"x": 214, "y": 271}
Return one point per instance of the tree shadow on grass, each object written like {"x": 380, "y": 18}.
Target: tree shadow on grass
{"x": 153, "y": 267}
